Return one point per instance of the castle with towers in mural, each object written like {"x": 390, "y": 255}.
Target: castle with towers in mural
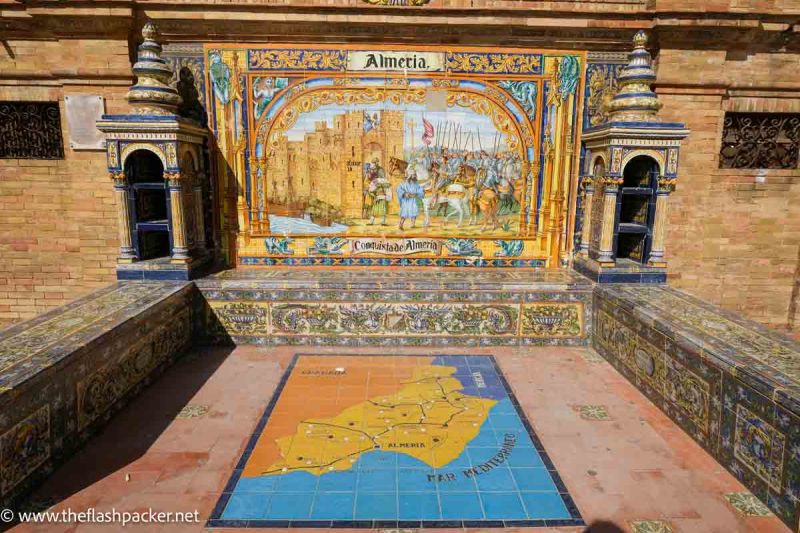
{"x": 327, "y": 164}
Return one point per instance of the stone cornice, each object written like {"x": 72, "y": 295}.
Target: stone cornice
{"x": 591, "y": 24}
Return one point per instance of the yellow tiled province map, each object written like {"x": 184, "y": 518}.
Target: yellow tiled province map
{"x": 373, "y": 441}
{"x": 428, "y": 419}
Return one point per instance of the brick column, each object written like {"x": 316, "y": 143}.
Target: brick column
{"x": 180, "y": 252}
{"x": 127, "y": 254}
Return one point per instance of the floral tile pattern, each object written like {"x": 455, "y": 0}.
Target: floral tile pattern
{"x": 593, "y": 412}
{"x": 747, "y": 504}
{"x": 406, "y": 308}
{"x": 192, "y": 410}
{"x": 651, "y": 526}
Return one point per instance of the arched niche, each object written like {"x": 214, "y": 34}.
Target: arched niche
{"x": 148, "y": 204}
{"x": 597, "y": 168}
{"x": 637, "y": 207}
{"x": 641, "y": 171}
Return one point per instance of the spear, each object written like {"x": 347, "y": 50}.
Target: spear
{"x": 449, "y": 139}
{"x": 451, "y": 134}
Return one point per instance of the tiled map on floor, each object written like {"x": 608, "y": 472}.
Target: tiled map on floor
{"x": 394, "y": 441}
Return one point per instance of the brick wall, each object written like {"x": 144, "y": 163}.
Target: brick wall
{"x": 58, "y": 237}
{"x": 731, "y": 240}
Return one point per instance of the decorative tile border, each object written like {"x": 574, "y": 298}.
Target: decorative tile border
{"x": 397, "y": 308}
{"x": 375, "y": 320}
{"x": 33, "y": 345}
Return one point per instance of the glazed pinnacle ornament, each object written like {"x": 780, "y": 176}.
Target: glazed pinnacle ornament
{"x": 152, "y": 94}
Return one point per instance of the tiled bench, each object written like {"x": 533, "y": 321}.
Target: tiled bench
{"x": 733, "y": 385}
{"x": 64, "y": 373}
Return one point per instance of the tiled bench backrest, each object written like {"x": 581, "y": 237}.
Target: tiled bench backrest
{"x": 729, "y": 383}
{"x": 66, "y": 372}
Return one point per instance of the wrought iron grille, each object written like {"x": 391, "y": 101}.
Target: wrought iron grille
{"x": 30, "y": 130}
{"x": 760, "y": 140}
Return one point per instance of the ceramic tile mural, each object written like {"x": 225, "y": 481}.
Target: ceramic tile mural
{"x": 424, "y": 156}
{"x": 401, "y": 441}
{"x": 67, "y": 371}
{"x": 717, "y": 376}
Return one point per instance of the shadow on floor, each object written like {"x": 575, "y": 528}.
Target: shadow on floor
{"x": 133, "y": 430}
{"x": 603, "y": 526}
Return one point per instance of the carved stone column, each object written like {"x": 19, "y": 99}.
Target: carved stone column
{"x": 127, "y": 253}
{"x": 180, "y": 251}
{"x": 606, "y": 255}
{"x": 665, "y": 187}
{"x": 586, "y": 228}
{"x": 200, "y": 227}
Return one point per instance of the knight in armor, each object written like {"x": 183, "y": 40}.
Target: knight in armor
{"x": 488, "y": 179}
{"x": 443, "y": 180}
{"x": 510, "y": 173}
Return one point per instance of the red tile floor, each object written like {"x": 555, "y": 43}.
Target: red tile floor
{"x": 636, "y": 465}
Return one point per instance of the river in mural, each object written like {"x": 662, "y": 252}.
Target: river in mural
{"x": 422, "y": 155}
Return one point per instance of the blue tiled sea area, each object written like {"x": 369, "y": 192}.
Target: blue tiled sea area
{"x": 518, "y": 486}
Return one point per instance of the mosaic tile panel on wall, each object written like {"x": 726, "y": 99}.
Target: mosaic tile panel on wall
{"x": 602, "y": 71}
{"x": 424, "y": 156}
{"x": 66, "y": 372}
{"x": 728, "y": 383}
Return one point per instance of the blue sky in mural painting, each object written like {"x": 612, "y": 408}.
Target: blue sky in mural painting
{"x": 464, "y": 121}
{"x": 395, "y": 486}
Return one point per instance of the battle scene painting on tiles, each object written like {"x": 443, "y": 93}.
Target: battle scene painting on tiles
{"x": 386, "y": 156}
